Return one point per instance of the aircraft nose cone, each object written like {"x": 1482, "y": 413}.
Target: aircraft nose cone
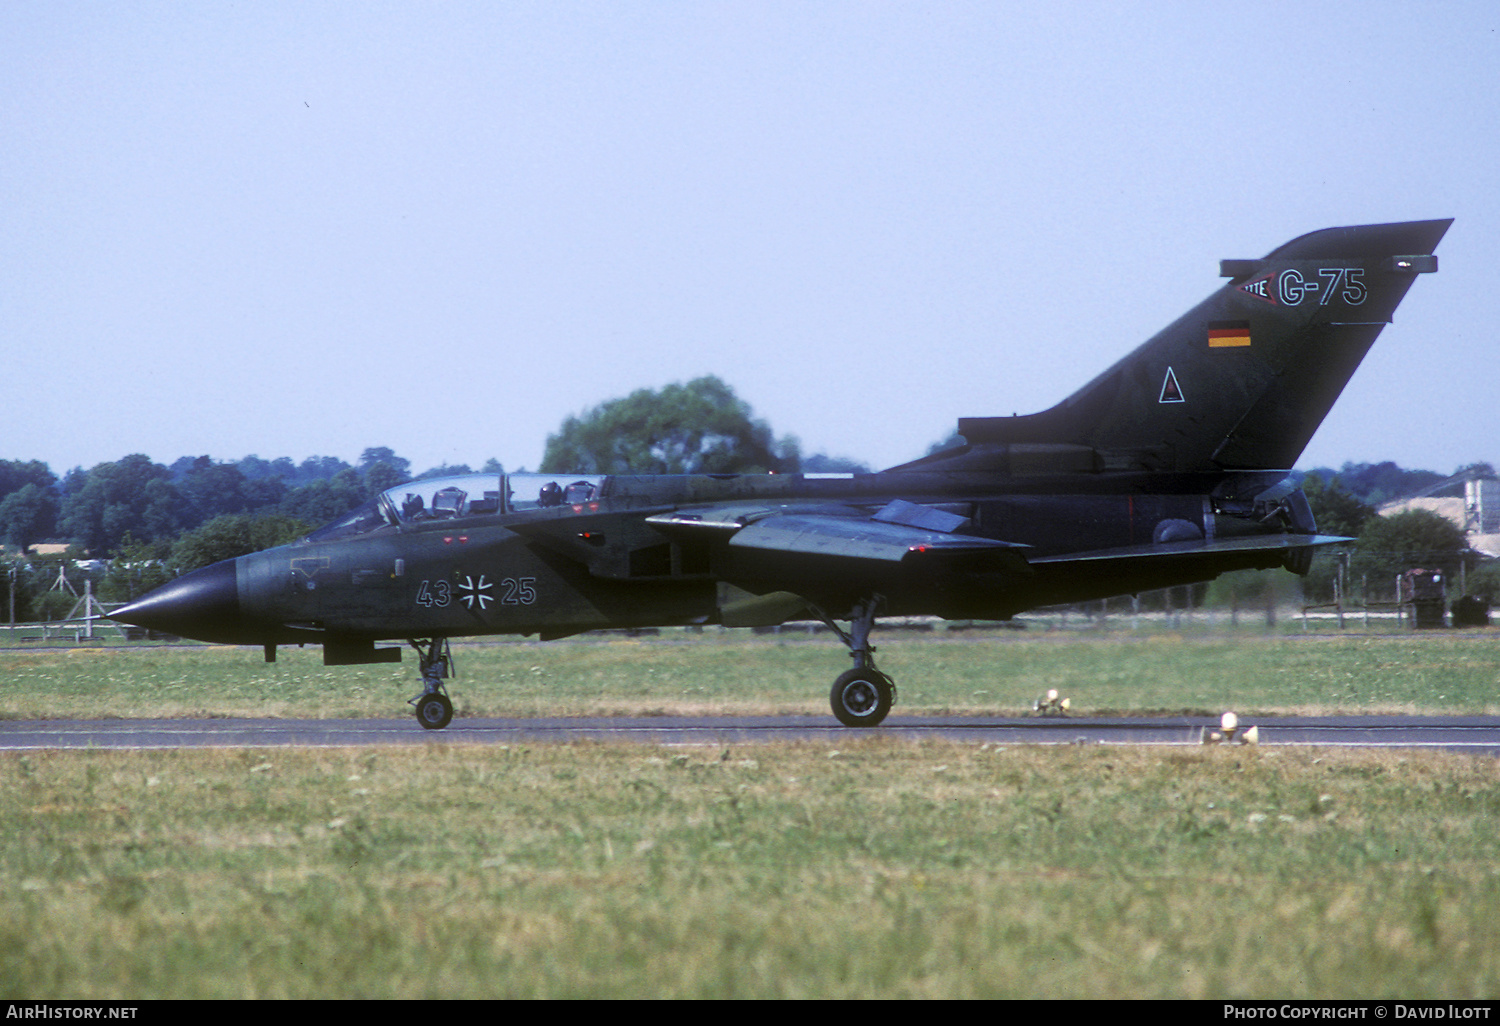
{"x": 203, "y": 604}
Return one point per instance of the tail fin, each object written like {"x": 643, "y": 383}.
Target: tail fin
{"x": 1244, "y": 378}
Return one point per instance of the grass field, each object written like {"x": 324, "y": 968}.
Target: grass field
{"x": 867, "y": 867}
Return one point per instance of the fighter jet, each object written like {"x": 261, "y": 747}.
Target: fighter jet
{"x": 1169, "y": 468}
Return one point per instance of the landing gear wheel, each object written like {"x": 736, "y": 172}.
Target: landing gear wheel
{"x": 861, "y": 697}
{"x": 434, "y": 711}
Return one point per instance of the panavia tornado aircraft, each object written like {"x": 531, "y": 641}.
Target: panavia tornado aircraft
{"x": 1169, "y": 468}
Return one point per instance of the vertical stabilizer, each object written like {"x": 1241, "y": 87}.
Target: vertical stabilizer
{"x": 1243, "y": 379}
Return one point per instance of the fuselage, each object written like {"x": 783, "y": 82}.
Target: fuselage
{"x": 517, "y": 554}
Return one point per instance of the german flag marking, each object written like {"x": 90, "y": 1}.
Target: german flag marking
{"x": 1228, "y": 334}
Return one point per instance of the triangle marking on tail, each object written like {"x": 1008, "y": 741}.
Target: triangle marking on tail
{"x": 1171, "y": 392}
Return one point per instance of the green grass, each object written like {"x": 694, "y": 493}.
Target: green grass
{"x": 995, "y": 672}
{"x": 862, "y": 867}
{"x": 876, "y": 868}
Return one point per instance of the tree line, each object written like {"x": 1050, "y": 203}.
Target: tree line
{"x": 135, "y": 500}
{"x": 700, "y": 427}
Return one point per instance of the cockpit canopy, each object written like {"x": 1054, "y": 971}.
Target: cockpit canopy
{"x": 461, "y": 498}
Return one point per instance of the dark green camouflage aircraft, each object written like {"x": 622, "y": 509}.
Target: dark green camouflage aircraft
{"x": 1169, "y": 468}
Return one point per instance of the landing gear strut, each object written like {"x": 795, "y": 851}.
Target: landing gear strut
{"x": 861, "y": 697}
{"x": 433, "y": 707}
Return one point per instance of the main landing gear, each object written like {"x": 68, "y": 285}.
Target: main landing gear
{"x": 863, "y": 696}
{"x": 433, "y": 707}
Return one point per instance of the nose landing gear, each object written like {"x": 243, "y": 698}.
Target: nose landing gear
{"x": 434, "y": 709}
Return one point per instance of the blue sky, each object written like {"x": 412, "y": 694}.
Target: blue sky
{"x": 301, "y": 228}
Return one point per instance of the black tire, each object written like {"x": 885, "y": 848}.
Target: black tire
{"x": 861, "y": 698}
{"x": 434, "y": 711}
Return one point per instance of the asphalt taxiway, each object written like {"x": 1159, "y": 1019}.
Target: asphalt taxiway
{"x": 1478, "y": 734}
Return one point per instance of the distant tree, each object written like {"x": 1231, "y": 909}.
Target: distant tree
{"x": 320, "y": 502}
{"x": 1334, "y": 509}
{"x": 380, "y": 455}
{"x": 15, "y": 475}
{"x": 209, "y": 489}
{"x": 265, "y": 493}
{"x": 382, "y": 476}
{"x": 254, "y": 468}
{"x": 789, "y": 451}
{"x": 231, "y": 535}
{"x": 133, "y": 496}
{"x": 318, "y": 468}
{"x": 1376, "y": 483}
{"x": 27, "y": 515}
{"x": 1484, "y": 582}
{"x": 701, "y": 427}
{"x": 1389, "y": 546}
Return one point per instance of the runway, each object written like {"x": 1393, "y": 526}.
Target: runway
{"x": 1478, "y": 734}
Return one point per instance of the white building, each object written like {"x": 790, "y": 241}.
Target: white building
{"x": 1477, "y": 512}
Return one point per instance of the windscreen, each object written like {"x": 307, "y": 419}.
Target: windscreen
{"x": 418, "y": 502}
